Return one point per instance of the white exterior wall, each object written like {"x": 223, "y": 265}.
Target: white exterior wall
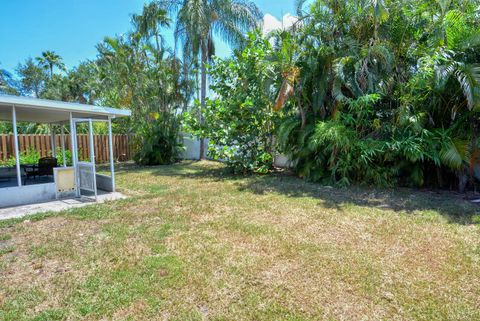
{"x": 192, "y": 152}
{"x": 192, "y": 148}
{"x": 13, "y": 196}
{"x": 282, "y": 161}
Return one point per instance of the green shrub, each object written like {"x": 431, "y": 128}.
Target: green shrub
{"x": 158, "y": 141}
{"x": 68, "y": 157}
{"x": 31, "y": 156}
{"x": 241, "y": 121}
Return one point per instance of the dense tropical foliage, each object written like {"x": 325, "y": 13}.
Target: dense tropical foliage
{"x": 198, "y": 21}
{"x": 387, "y": 92}
{"x": 7, "y": 83}
{"x": 138, "y": 71}
{"x": 135, "y": 71}
{"x": 375, "y": 92}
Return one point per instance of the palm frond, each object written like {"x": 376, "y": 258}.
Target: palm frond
{"x": 468, "y": 77}
{"x": 299, "y": 4}
{"x": 454, "y": 153}
{"x": 455, "y": 28}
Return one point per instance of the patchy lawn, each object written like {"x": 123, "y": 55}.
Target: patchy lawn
{"x": 193, "y": 243}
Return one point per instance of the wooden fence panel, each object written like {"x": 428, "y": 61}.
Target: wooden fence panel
{"x": 42, "y": 144}
{"x": 4, "y": 142}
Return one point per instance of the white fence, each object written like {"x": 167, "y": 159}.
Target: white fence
{"x": 192, "y": 151}
{"x": 192, "y": 148}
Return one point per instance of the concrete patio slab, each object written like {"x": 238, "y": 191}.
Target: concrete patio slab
{"x": 55, "y": 206}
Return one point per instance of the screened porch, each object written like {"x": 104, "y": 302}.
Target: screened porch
{"x": 69, "y": 169}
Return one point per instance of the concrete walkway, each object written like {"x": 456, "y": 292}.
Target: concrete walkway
{"x": 55, "y": 206}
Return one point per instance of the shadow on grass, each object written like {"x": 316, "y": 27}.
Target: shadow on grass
{"x": 450, "y": 205}
{"x": 185, "y": 169}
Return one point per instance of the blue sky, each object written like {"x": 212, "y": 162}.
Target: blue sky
{"x": 72, "y": 28}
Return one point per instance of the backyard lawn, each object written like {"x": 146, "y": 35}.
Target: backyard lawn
{"x": 194, "y": 243}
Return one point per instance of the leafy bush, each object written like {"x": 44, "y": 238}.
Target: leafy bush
{"x": 355, "y": 147}
{"x": 382, "y": 93}
{"x": 68, "y": 157}
{"x": 158, "y": 141}
{"x": 241, "y": 121}
{"x": 31, "y": 156}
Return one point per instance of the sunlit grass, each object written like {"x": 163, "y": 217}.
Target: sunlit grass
{"x": 194, "y": 243}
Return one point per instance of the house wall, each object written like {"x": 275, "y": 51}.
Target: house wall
{"x": 192, "y": 152}
{"x": 13, "y": 196}
{"x": 192, "y": 147}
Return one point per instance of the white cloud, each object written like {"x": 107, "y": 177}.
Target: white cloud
{"x": 270, "y": 23}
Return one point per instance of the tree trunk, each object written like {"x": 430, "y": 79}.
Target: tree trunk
{"x": 439, "y": 177}
{"x": 197, "y": 81}
{"x": 186, "y": 85}
{"x": 203, "y": 93}
{"x": 157, "y": 43}
{"x": 462, "y": 180}
{"x": 300, "y": 108}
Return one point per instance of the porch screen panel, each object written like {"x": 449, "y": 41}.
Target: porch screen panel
{"x": 85, "y": 173}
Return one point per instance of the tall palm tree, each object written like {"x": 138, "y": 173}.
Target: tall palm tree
{"x": 49, "y": 60}
{"x": 148, "y": 23}
{"x": 198, "y": 21}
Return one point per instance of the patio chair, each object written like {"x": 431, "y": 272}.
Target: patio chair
{"x": 44, "y": 168}
{"x": 8, "y": 173}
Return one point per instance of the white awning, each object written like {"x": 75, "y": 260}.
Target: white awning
{"x": 51, "y": 111}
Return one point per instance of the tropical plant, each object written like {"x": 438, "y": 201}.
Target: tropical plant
{"x": 198, "y": 21}
{"x": 148, "y": 79}
{"x": 49, "y": 60}
{"x": 392, "y": 104}
{"x": 7, "y": 83}
{"x": 239, "y": 123}
{"x": 158, "y": 141}
{"x": 58, "y": 88}
{"x": 149, "y": 23}
{"x": 31, "y": 156}
{"x": 32, "y": 78}
{"x": 83, "y": 82}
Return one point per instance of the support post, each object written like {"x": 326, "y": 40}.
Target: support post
{"x": 62, "y": 141}
{"x": 74, "y": 154}
{"x": 17, "y": 151}
{"x": 53, "y": 142}
{"x": 110, "y": 148}
{"x": 92, "y": 157}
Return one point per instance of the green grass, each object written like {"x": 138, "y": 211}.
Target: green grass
{"x": 194, "y": 243}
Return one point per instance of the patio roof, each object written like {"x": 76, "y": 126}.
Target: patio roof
{"x": 51, "y": 111}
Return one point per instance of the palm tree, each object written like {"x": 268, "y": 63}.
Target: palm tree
{"x": 153, "y": 17}
{"x": 49, "y": 60}
{"x": 83, "y": 82}
{"x": 198, "y": 21}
